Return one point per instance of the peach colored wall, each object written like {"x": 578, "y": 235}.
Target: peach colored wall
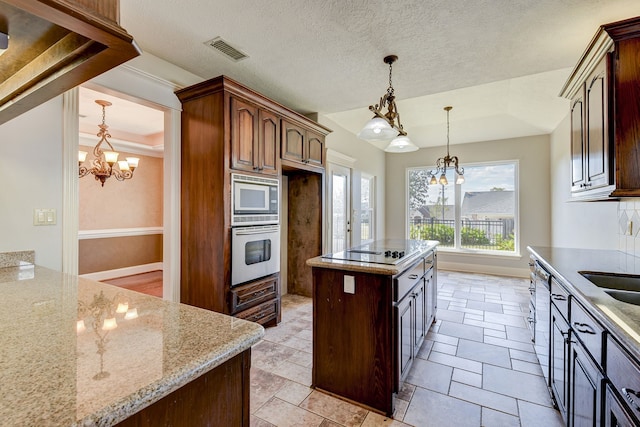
{"x": 136, "y": 202}
{"x": 118, "y": 252}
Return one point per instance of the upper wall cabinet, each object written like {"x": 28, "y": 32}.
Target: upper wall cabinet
{"x": 255, "y": 138}
{"x": 302, "y": 145}
{"x": 604, "y": 89}
{"x": 56, "y": 45}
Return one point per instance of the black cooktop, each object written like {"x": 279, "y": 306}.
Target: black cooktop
{"x": 374, "y": 254}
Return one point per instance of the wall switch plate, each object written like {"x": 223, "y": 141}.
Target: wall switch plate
{"x": 44, "y": 217}
{"x": 349, "y": 285}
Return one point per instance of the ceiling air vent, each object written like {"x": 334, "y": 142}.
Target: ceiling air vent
{"x": 221, "y": 46}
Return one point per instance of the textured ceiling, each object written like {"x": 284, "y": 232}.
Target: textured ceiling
{"x": 326, "y": 56}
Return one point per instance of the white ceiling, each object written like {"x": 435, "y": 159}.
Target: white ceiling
{"x": 500, "y": 63}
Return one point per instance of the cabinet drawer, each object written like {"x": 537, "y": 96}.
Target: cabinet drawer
{"x": 624, "y": 374}
{"x": 407, "y": 280}
{"x": 249, "y": 295}
{"x": 263, "y": 313}
{"x": 587, "y": 330}
{"x": 560, "y": 297}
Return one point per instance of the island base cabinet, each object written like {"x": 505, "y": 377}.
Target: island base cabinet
{"x": 616, "y": 413}
{"x": 353, "y": 338}
{"x": 219, "y": 397}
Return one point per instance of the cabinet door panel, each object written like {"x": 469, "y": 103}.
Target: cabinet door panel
{"x": 405, "y": 355}
{"x": 577, "y": 146}
{"x": 292, "y": 142}
{"x": 559, "y": 360}
{"x": 315, "y": 144}
{"x": 585, "y": 390}
{"x": 420, "y": 318}
{"x": 243, "y": 135}
{"x": 597, "y": 138}
{"x": 269, "y": 143}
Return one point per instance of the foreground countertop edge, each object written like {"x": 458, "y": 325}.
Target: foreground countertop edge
{"x": 120, "y": 409}
{"x": 613, "y": 328}
{"x": 374, "y": 268}
{"x": 144, "y": 397}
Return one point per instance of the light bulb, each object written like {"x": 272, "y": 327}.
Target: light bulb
{"x": 443, "y": 179}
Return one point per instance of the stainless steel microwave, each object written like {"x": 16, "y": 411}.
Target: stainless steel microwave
{"x": 254, "y": 200}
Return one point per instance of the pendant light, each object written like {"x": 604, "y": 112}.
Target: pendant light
{"x": 445, "y": 162}
{"x": 386, "y": 127}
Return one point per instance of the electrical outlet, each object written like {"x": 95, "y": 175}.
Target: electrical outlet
{"x": 349, "y": 285}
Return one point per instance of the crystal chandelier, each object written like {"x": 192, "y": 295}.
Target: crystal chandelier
{"x": 104, "y": 161}
{"x": 385, "y": 127}
{"x": 445, "y": 162}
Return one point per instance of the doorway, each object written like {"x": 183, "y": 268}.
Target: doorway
{"x": 340, "y": 207}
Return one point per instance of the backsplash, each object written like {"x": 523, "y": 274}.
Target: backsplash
{"x": 16, "y": 259}
{"x": 629, "y": 210}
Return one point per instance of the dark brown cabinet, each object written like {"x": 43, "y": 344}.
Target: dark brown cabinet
{"x": 605, "y": 120}
{"x": 255, "y": 138}
{"x": 302, "y": 145}
{"x": 559, "y": 369}
{"x": 365, "y": 342}
{"x": 591, "y": 159}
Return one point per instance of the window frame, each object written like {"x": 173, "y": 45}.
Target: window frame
{"x": 372, "y": 207}
{"x": 457, "y": 248}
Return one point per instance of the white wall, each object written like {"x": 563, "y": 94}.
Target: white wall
{"x": 369, "y": 159}
{"x": 31, "y": 176}
{"x": 589, "y": 225}
{"x": 534, "y": 201}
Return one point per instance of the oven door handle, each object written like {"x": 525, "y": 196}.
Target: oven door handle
{"x": 247, "y": 232}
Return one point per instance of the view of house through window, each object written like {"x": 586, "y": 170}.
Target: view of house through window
{"x": 479, "y": 215}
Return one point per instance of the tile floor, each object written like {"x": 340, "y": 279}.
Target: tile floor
{"x": 477, "y": 366}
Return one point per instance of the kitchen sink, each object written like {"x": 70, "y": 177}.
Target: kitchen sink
{"x": 622, "y": 282}
{"x": 630, "y": 297}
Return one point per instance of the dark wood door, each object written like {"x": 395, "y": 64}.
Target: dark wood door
{"x": 315, "y": 149}
{"x": 577, "y": 143}
{"x": 405, "y": 329}
{"x": 268, "y": 143}
{"x": 616, "y": 413}
{"x": 419, "y": 330}
{"x": 244, "y": 135}
{"x": 585, "y": 389}
{"x": 293, "y": 140}
{"x": 598, "y": 173}
{"x": 559, "y": 372}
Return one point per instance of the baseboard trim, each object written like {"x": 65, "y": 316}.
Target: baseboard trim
{"x": 484, "y": 269}
{"x": 121, "y": 272}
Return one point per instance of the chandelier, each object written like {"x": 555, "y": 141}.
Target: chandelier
{"x": 386, "y": 126}
{"x": 446, "y": 162}
{"x": 104, "y": 161}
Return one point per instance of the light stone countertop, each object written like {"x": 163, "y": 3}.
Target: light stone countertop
{"x": 422, "y": 246}
{"x": 52, "y": 374}
{"x": 620, "y": 318}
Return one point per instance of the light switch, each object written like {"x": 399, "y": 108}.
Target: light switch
{"x": 349, "y": 285}
{"x": 44, "y": 217}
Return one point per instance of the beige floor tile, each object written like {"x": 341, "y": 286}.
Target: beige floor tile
{"x": 377, "y": 420}
{"x": 294, "y": 393}
{"x": 334, "y": 409}
{"x": 293, "y": 372}
{"x": 283, "y": 414}
{"x": 301, "y": 358}
{"x": 264, "y": 385}
{"x": 258, "y": 422}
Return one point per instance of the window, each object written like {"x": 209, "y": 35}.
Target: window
{"x": 479, "y": 215}
{"x": 367, "y": 203}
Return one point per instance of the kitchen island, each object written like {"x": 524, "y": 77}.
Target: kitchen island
{"x": 372, "y": 307}
{"x": 78, "y": 352}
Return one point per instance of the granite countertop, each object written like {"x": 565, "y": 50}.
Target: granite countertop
{"x": 421, "y": 246}
{"x": 58, "y": 371}
{"x": 620, "y": 318}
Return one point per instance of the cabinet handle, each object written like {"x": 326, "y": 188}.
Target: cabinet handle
{"x": 583, "y": 328}
{"x": 413, "y": 276}
{"x": 558, "y": 297}
{"x": 259, "y": 293}
{"x": 428, "y": 262}
{"x": 627, "y": 393}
